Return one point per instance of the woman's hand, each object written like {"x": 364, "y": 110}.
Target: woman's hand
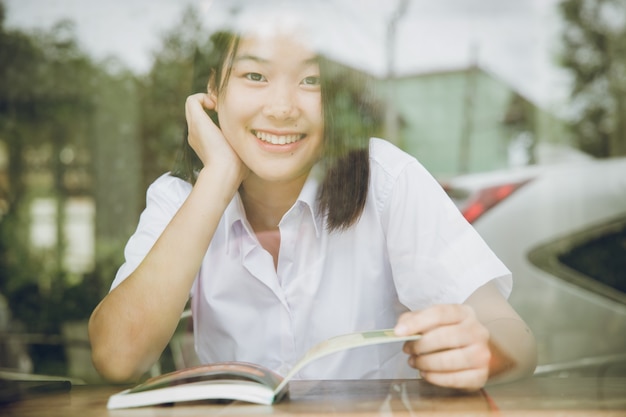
{"x": 207, "y": 140}
{"x": 454, "y": 350}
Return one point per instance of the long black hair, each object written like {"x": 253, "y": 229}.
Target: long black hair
{"x": 351, "y": 116}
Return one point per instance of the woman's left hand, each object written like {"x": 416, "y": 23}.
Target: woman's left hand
{"x": 454, "y": 349}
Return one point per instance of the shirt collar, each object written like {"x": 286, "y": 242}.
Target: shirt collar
{"x": 308, "y": 197}
{"x": 235, "y": 212}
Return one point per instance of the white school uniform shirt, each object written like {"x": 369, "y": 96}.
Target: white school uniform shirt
{"x": 410, "y": 249}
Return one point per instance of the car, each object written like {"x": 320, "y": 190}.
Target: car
{"x": 561, "y": 230}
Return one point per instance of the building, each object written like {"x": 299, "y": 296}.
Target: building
{"x": 467, "y": 120}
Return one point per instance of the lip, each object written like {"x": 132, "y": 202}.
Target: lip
{"x": 278, "y": 138}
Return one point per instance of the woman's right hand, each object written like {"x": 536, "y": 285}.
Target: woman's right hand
{"x": 207, "y": 140}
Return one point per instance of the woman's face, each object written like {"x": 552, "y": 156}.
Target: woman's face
{"x": 271, "y": 110}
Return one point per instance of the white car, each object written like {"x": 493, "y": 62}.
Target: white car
{"x": 561, "y": 230}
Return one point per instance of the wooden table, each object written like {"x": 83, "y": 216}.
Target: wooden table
{"x": 533, "y": 397}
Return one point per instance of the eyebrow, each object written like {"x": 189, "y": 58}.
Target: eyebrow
{"x": 260, "y": 60}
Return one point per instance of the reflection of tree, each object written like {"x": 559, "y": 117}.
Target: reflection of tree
{"x": 163, "y": 93}
{"x": 595, "y": 53}
{"x": 46, "y": 103}
{"x": 520, "y": 123}
{"x": 71, "y": 127}
{"x": 52, "y": 128}
{"x": 392, "y": 119}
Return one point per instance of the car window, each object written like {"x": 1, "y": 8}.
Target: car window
{"x": 602, "y": 258}
{"x": 594, "y": 258}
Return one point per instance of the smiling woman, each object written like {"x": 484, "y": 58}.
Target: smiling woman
{"x": 288, "y": 223}
{"x": 332, "y": 103}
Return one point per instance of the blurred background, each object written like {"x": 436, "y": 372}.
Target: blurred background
{"x": 518, "y": 107}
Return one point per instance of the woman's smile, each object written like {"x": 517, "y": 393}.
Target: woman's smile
{"x": 278, "y": 138}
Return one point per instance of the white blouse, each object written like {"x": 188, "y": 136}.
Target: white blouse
{"x": 411, "y": 248}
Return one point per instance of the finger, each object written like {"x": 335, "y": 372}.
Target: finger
{"x": 200, "y": 127}
{"x": 467, "y": 380}
{"x": 416, "y": 322}
{"x": 196, "y": 103}
{"x": 208, "y": 102}
{"x": 454, "y": 336}
{"x": 474, "y": 356}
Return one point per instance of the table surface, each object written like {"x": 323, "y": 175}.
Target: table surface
{"x": 539, "y": 396}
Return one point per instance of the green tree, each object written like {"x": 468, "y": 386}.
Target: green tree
{"x": 18, "y": 53}
{"x": 45, "y": 102}
{"x": 594, "y": 41}
{"x": 45, "y": 110}
{"x": 53, "y": 98}
{"x": 70, "y": 127}
{"x": 172, "y": 78}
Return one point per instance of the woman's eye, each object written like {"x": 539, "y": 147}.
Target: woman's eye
{"x": 312, "y": 80}
{"x": 254, "y": 76}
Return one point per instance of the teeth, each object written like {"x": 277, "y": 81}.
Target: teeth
{"x": 278, "y": 139}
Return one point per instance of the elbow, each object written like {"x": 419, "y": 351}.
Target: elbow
{"x": 112, "y": 369}
{"x": 532, "y": 355}
{"x": 112, "y": 358}
{"x": 514, "y": 359}
{"x": 527, "y": 356}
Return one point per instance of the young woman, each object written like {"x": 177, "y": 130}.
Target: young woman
{"x": 296, "y": 227}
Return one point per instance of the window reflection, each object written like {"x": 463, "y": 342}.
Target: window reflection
{"x": 82, "y": 137}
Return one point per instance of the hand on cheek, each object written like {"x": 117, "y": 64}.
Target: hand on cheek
{"x": 208, "y": 141}
{"x": 201, "y": 128}
{"x": 454, "y": 348}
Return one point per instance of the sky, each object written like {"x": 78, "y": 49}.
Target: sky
{"x": 515, "y": 40}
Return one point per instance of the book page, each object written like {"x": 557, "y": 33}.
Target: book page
{"x": 216, "y": 371}
{"x": 343, "y": 342}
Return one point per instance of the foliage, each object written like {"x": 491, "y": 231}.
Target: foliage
{"x": 163, "y": 93}
{"x": 69, "y": 126}
{"x": 73, "y": 127}
{"x": 595, "y": 52}
{"x": 42, "y": 98}
{"x": 46, "y": 108}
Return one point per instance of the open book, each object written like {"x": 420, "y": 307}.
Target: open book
{"x": 239, "y": 380}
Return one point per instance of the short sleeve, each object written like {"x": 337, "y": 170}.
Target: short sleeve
{"x": 163, "y": 199}
{"x": 436, "y": 256}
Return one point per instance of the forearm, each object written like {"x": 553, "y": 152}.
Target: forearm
{"x": 133, "y": 324}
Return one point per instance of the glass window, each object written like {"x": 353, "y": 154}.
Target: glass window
{"x": 601, "y": 256}
{"x": 594, "y": 259}
{"x": 92, "y": 112}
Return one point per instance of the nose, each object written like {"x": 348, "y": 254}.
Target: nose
{"x": 281, "y": 103}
